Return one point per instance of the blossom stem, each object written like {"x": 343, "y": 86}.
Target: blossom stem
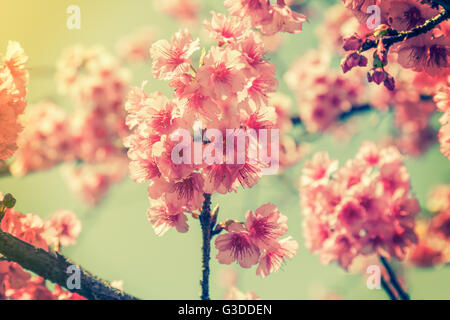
{"x": 53, "y": 266}
{"x": 393, "y": 280}
{"x": 205, "y": 222}
{"x": 387, "y": 289}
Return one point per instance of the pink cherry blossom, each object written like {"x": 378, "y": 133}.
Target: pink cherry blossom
{"x": 318, "y": 170}
{"x": 425, "y": 53}
{"x": 45, "y": 141}
{"x": 237, "y": 246}
{"x": 173, "y": 58}
{"x": 226, "y": 29}
{"x": 164, "y": 216}
{"x": 65, "y": 226}
{"x": 221, "y": 73}
{"x": 253, "y": 50}
{"x": 282, "y": 19}
{"x": 94, "y": 79}
{"x": 269, "y": 18}
{"x": 91, "y": 182}
{"x": 322, "y": 94}
{"x": 257, "y": 10}
{"x": 181, "y": 192}
{"x": 258, "y": 88}
{"x": 406, "y": 14}
{"x": 272, "y": 260}
{"x": 265, "y": 226}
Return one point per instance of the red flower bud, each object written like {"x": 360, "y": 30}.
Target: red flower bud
{"x": 389, "y": 82}
{"x": 352, "y": 43}
{"x": 379, "y": 75}
{"x": 351, "y": 60}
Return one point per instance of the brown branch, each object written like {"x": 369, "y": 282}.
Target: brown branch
{"x": 388, "y": 41}
{"x": 206, "y": 224}
{"x": 53, "y": 266}
{"x": 296, "y": 120}
{"x": 436, "y": 3}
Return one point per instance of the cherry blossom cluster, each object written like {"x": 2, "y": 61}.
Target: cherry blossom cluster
{"x": 45, "y": 141}
{"x": 61, "y": 229}
{"x": 412, "y": 109}
{"x": 434, "y": 236}
{"x": 256, "y": 241}
{"x": 362, "y": 208}
{"x": 427, "y": 51}
{"x": 91, "y": 135}
{"x": 323, "y": 94}
{"x": 92, "y": 181}
{"x": 229, "y": 90}
{"x": 414, "y": 85}
{"x": 231, "y": 87}
{"x": 98, "y": 84}
{"x": 268, "y": 18}
{"x": 13, "y": 81}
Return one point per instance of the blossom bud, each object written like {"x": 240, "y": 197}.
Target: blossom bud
{"x": 362, "y": 61}
{"x": 351, "y": 60}
{"x": 214, "y": 214}
{"x": 9, "y": 201}
{"x": 228, "y": 223}
{"x": 389, "y": 82}
{"x": 377, "y": 75}
{"x": 353, "y": 42}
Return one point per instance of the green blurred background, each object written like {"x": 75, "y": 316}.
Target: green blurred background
{"x": 117, "y": 241}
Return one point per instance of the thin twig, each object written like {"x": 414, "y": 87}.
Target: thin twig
{"x": 387, "y": 289}
{"x": 393, "y": 280}
{"x": 357, "y": 109}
